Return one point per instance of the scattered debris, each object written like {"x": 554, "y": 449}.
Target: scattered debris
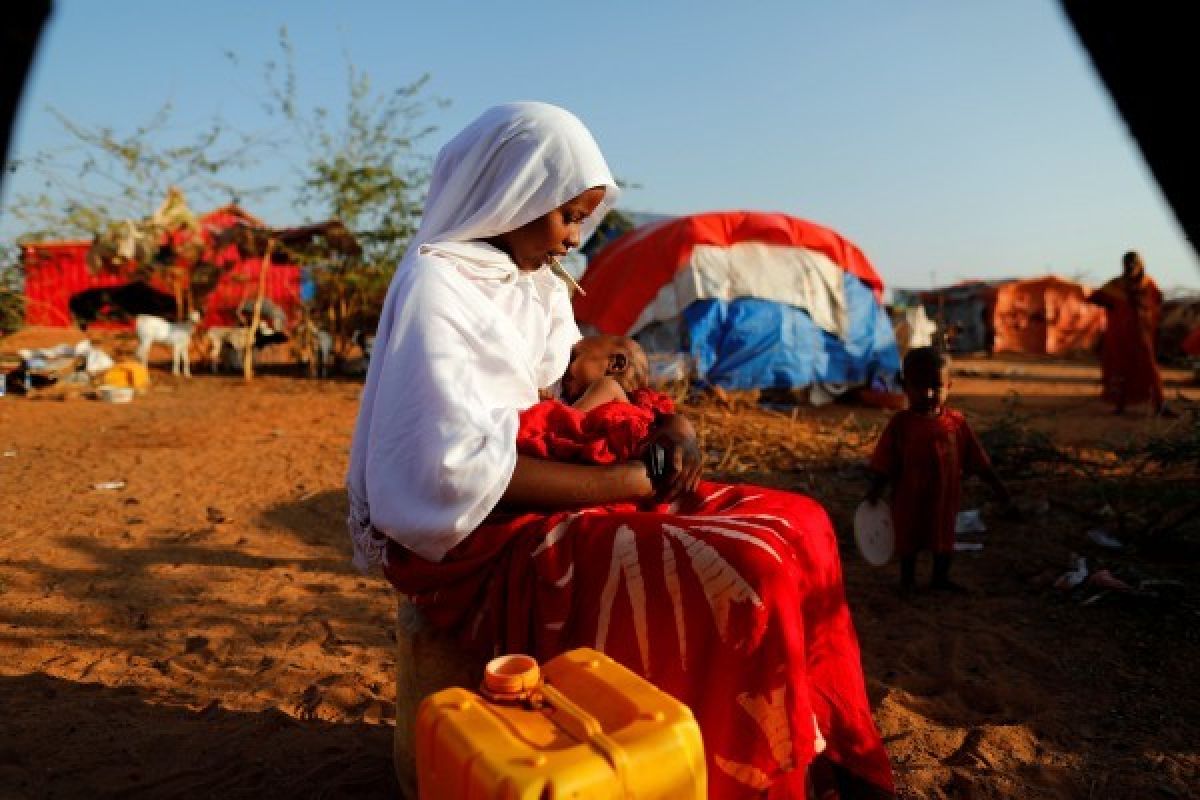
{"x": 1104, "y": 579}
{"x": 1104, "y": 539}
{"x": 1075, "y": 575}
{"x": 108, "y": 486}
{"x": 969, "y": 522}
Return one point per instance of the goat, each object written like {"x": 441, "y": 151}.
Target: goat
{"x": 312, "y": 347}
{"x": 237, "y": 339}
{"x": 151, "y": 329}
{"x": 366, "y": 343}
{"x": 218, "y": 336}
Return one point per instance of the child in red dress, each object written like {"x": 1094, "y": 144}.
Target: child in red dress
{"x": 923, "y": 454}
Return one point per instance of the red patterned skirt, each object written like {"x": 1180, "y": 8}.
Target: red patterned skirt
{"x": 730, "y": 600}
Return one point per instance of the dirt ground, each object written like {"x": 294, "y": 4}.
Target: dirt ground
{"x": 200, "y": 631}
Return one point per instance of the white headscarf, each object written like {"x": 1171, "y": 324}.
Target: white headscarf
{"x": 466, "y": 339}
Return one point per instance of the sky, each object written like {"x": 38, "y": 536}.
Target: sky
{"x": 949, "y": 140}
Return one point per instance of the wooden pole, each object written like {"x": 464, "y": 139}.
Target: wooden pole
{"x": 177, "y": 286}
{"x": 248, "y": 355}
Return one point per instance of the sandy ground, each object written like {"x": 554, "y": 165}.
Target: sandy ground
{"x": 200, "y": 631}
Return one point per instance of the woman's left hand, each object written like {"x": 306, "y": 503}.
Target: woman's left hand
{"x": 684, "y": 462}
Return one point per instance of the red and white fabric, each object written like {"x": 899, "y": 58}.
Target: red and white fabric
{"x": 653, "y": 274}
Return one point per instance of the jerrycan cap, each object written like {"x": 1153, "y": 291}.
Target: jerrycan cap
{"x": 511, "y": 677}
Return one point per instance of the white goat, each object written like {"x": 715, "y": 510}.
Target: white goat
{"x": 151, "y": 329}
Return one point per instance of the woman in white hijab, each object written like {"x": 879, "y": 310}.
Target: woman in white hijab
{"x": 521, "y": 555}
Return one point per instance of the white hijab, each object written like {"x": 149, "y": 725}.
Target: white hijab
{"x": 466, "y": 339}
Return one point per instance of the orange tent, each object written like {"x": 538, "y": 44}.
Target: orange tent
{"x": 1045, "y": 316}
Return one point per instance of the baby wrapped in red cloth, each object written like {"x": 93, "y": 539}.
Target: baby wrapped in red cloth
{"x": 606, "y": 415}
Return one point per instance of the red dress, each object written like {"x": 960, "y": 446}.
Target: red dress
{"x": 925, "y": 458}
{"x": 731, "y": 600}
{"x": 1128, "y": 364}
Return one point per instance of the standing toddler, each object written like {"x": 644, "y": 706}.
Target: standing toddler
{"x": 923, "y": 454}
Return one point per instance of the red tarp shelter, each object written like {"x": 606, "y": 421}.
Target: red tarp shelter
{"x": 56, "y": 271}
{"x": 625, "y": 277}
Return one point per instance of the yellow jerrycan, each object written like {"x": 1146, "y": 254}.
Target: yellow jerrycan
{"x": 582, "y": 726}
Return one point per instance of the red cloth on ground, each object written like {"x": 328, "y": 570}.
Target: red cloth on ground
{"x": 925, "y": 458}
{"x": 1128, "y": 364}
{"x": 731, "y": 600}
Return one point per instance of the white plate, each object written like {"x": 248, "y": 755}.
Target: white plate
{"x": 115, "y": 394}
{"x": 873, "y": 532}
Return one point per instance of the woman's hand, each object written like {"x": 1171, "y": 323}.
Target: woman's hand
{"x": 685, "y": 464}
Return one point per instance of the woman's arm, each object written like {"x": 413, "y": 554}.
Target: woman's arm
{"x": 553, "y": 485}
{"x": 1099, "y": 297}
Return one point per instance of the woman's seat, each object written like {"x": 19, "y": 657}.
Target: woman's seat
{"x": 426, "y": 661}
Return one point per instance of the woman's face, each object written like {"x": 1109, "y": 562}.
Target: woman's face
{"x": 551, "y": 235}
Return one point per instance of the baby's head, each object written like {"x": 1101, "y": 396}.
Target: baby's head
{"x": 926, "y": 379}
{"x": 594, "y": 357}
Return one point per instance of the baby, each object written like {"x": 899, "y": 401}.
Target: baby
{"x": 604, "y": 368}
{"x": 605, "y": 412}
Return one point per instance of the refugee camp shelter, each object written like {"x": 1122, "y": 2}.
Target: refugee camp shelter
{"x": 1045, "y": 316}
{"x": 912, "y": 328}
{"x": 965, "y": 309}
{"x": 758, "y": 300}
{"x": 1179, "y": 329}
{"x": 57, "y": 271}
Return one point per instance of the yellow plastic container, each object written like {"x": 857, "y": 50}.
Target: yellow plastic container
{"x": 127, "y": 374}
{"x": 589, "y": 728}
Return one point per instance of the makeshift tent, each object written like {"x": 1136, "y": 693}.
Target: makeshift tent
{"x": 57, "y": 271}
{"x": 912, "y": 328}
{"x": 963, "y": 311}
{"x": 1179, "y": 330}
{"x": 758, "y": 300}
{"x": 1045, "y": 316}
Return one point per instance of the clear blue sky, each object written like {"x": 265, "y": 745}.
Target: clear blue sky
{"x": 947, "y": 139}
